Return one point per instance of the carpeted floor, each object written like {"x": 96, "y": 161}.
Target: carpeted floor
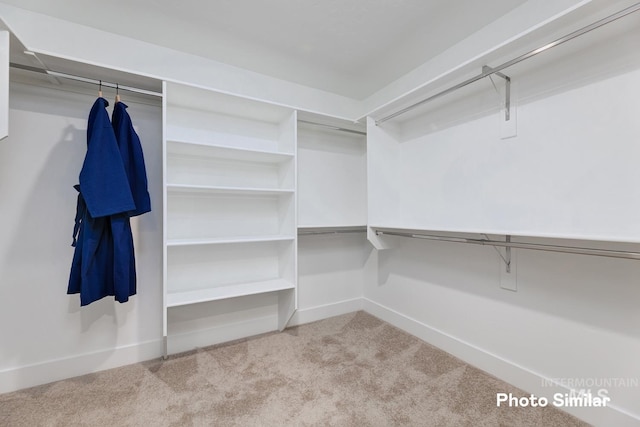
{"x": 350, "y": 370}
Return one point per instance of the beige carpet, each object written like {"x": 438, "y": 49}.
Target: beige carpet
{"x": 351, "y": 370}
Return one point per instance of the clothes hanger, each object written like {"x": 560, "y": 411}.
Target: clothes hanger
{"x": 100, "y": 90}
{"x": 117, "y": 93}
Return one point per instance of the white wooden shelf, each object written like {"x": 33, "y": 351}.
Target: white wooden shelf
{"x": 225, "y": 292}
{"x": 228, "y": 240}
{"x": 214, "y": 189}
{"x": 219, "y": 151}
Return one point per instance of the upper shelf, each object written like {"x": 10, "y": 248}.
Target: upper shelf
{"x": 196, "y": 98}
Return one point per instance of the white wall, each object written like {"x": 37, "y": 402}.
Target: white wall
{"x": 64, "y": 39}
{"x": 45, "y": 335}
{"x": 332, "y": 192}
{"x": 572, "y": 169}
{"x": 573, "y": 317}
{"x": 332, "y": 275}
{"x": 332, "y": 178}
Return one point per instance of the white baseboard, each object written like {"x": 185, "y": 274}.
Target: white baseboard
{"x": 59, "y": 369}
{"x": 312, "y": 314}
{"x": 178, "y": 343}
{"x": 505, "y": 370}
{"x": 233, "y": 331}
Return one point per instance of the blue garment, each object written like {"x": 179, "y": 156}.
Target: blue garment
{"x": 103, "y": 261}
{"x": 103, "y": 180}
{"x": 132, "y": 158}
{"x": 133, "y": 162}
{"x": 91, "y": 273}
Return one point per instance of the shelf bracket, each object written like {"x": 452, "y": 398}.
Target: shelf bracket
{"x": 507, "y": 96}
{"x": 507, "y": 249}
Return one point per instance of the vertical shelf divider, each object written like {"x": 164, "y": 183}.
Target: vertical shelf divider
{"x": 164, "y": 222}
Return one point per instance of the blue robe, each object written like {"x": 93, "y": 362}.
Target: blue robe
{"x": 133, "y": 162}
{"x": 103, "y": 179}
{"x": 132, "y": 158}
{"x": 103, "y": 244}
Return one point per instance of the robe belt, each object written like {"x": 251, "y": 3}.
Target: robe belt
{"x": 81, "y": 208}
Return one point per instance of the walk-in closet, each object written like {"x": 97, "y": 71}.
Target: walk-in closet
{"x": 370, "y": 213}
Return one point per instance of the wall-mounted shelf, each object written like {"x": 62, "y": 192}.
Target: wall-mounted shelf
{"x": 483, "y": 239}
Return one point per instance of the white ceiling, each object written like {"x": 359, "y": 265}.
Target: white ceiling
{"x": 349, "y": 47}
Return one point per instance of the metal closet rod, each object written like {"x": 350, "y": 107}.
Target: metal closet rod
{"x": 331, "y": 230}
{"x": 487, "y": 71}
{"x": 357, "y": 132}
{"x": 84, "y": 79}
{"x": 313, "y": 233}
{"x": 519, "y": 245}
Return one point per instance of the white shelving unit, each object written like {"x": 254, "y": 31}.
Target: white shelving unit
{"x": 230, "y": 216}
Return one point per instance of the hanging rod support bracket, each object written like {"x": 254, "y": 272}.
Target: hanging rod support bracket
{"x": 507, "y": 84}
{"x": 506, "y": 258}
{"x": 507, "y": 249}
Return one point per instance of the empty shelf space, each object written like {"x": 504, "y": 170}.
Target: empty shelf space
{"x": 200, "y": 215}
{"x": 228, "y": 240}
{"x": 194, "y": 99}
{"x": 195, "y": 149}
{"x": 224, "y": 292}
{"x": 196, "y": 267}
{"x": 216, "y": 172}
